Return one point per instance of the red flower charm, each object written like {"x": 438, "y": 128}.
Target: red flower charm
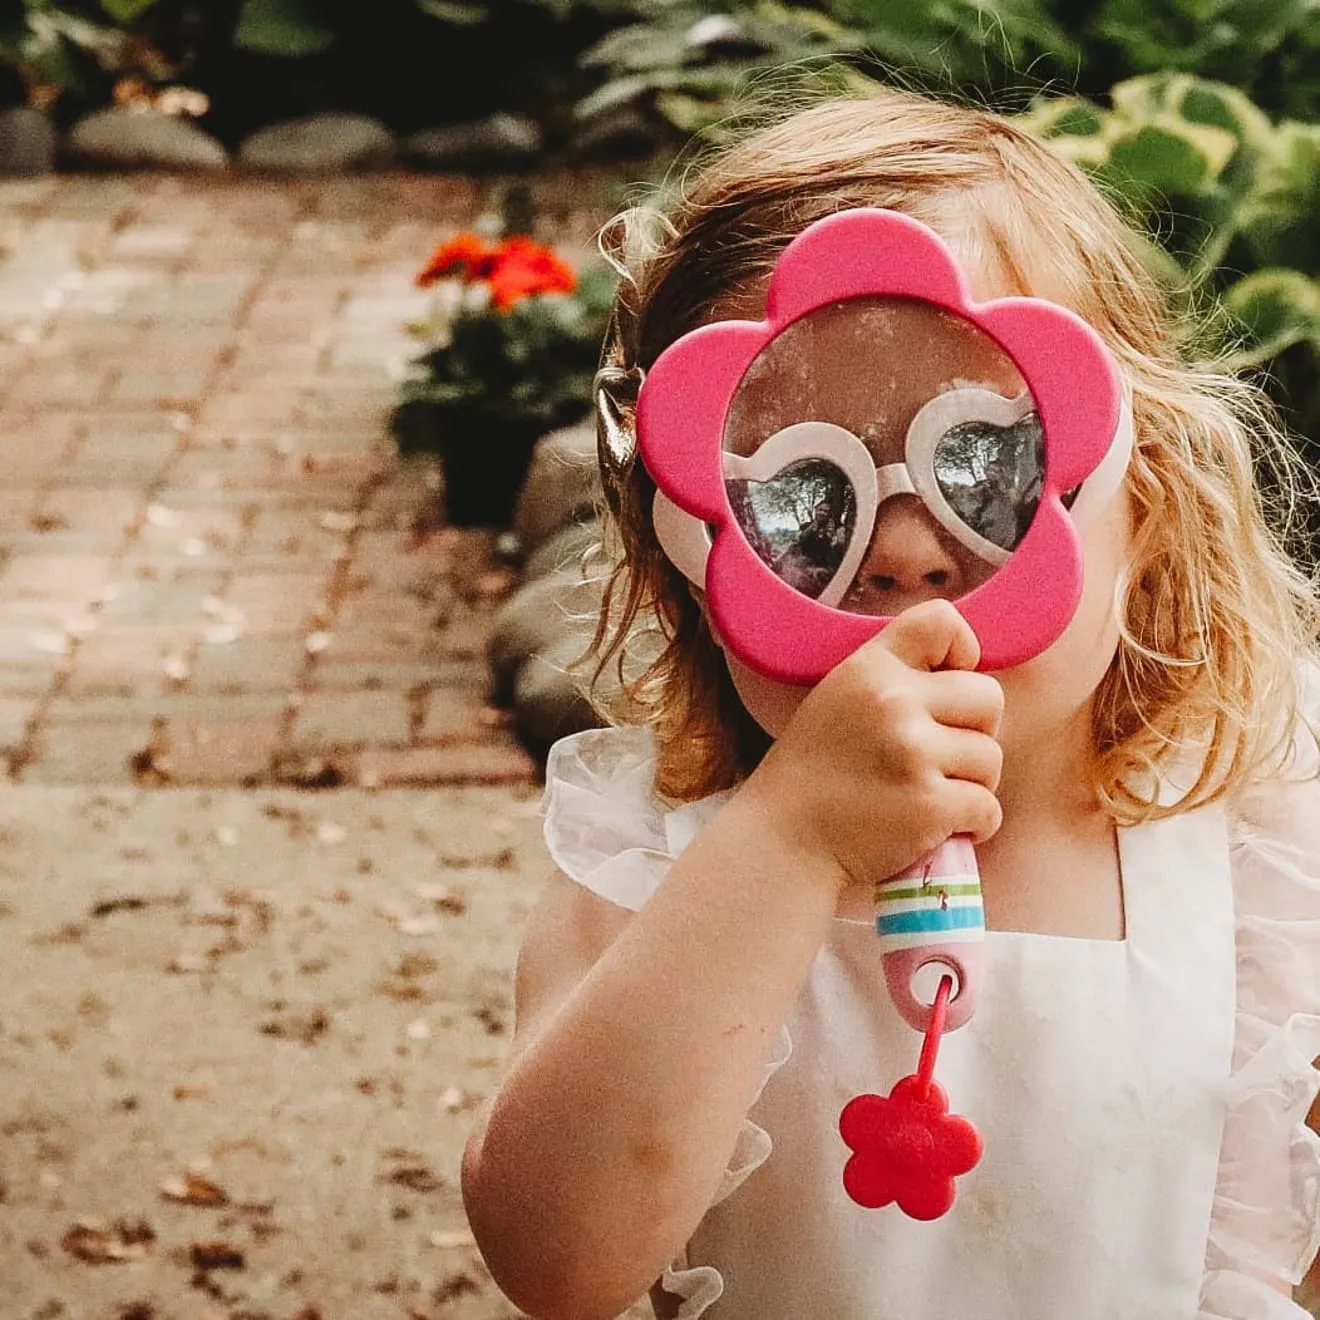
{"x": 907, "y": 1148}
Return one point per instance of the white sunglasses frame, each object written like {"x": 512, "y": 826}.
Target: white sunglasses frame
{"x": 687, "y": 542}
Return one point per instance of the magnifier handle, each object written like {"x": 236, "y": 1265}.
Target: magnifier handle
{"x": 932, "y": 913}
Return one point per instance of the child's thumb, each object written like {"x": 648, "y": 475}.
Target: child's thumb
{"x": 932, "y": 635}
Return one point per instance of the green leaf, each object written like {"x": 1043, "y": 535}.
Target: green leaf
{"x": 1063, "y": 116}
{"x": 126, "y": 11}
{"x": 1170, "y": 155}
{"x": 287, "y": 28}
{"x": 637, "y": 47}
{"x": 1279, "y": 218}
{"x": 1276, "y": 309}
{"x": 1142, "y": 98}
{"x": 455, "y": 12}
{"x": 687, "y": 113}
{"x": 1221, "y": 106}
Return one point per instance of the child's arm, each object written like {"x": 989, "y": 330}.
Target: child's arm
{"x": 643, "y": 1039}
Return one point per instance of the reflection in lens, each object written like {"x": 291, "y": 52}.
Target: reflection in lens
{"x": 991, "y": 476}
{"x": 799, "y": 522}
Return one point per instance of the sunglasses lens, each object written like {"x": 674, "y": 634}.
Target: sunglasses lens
{"x": 799, "y": 521}
{"x": 991, "y": 476}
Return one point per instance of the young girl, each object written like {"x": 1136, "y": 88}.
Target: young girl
{"x": 700, "y": 991}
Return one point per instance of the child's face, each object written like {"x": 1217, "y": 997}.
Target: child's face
{"x": 870, "y": 369}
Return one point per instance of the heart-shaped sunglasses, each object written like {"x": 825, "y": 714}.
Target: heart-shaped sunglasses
{"x": 807, "y": 500}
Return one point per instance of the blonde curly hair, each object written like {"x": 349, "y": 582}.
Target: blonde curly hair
{"x": 1214, "y": 615}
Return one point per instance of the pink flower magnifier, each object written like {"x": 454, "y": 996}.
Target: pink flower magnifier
{"x": 777, "y": 532}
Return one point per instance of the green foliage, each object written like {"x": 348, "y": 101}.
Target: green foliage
{"x": 1270, "y": 48}
{"x": 1230, "y": 191}
{"x": 413, "y": 62}
{"x": 126, "y": 11}
{"x": 1277, "y": 308}
{"x": 669, "y": 64}
{"x": 289, "y": 29}
{"x": 688, "y": 66}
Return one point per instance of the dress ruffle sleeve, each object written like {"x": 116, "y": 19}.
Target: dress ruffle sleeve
{"x": 1265, "y": 1222}
{"x": 605, "y": 828}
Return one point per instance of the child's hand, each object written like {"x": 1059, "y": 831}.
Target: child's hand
{"x": 893, "y": 752}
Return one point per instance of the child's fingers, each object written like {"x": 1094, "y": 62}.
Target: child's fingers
{"x": 972, "y": 757}
{"x": 972, "y": 810}
{"x": 965, "y": 701}
{"x": 932, "y": 635}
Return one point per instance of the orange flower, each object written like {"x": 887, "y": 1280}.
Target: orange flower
{"x": 467, "y": 255}
{"x": 522, "y": 268}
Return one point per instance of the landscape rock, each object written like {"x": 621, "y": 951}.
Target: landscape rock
{"x": 548, "y": 698}
{"x": 328, "y": 143}
{"x": 566, "y": 548}
{"x": 120, "y": 138}
{"x": 562, "y": 485}
{"x": 503, "y": 141}
{"x": 27, "y": 142}
{"x": 539, "y": 615}
{"x": 616, "y": 135}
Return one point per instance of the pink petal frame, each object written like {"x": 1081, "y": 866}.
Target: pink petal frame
{"x": 681, "y": 411}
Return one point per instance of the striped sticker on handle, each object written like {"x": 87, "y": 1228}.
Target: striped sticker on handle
{"x": 915, "y": 910}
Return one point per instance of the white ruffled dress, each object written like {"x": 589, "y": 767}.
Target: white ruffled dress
{"x": 1142, "y": 1102}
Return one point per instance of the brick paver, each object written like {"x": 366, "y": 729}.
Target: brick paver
{"x": 209, "y": 568}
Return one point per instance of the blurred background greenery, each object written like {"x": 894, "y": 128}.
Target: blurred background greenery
{"x": 1203, "y": 116}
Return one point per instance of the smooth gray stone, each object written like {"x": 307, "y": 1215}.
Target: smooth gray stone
{"x": 503, "y": 140}
{"x": 537, "y": 616}
{"x": 549, "y": 700}
{"x": 120, "y": 138}
{"x": 329, "y": 143}
{"x": 562, "y": 485}
{"x": 622, "y": 133}
{"x": 566, "y": 548}
{"x": 27, "y": 142}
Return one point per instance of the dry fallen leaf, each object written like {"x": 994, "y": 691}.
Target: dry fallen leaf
{"x": 188, "y": 962}
{"x": 445, "y": 899}
{"x": 456, "y": 1285}
{"x": 97, "y": 1243}
{"x": 216, "y": 1255}
{"x": 193, "y": 1189}
{"x": 416, "y": 1177}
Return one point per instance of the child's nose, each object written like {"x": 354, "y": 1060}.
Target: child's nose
{"x": 905, "y": 563}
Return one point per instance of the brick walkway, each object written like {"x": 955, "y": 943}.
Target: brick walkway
{"x": 213, "y": 570}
